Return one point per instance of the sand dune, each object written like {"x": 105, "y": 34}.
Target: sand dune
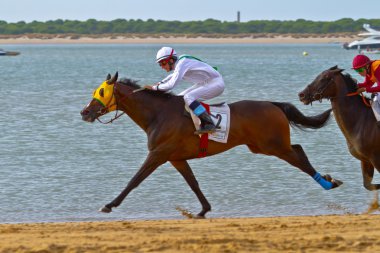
{"x": 175, "y": 39}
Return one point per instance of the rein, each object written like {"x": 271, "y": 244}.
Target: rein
{"x": 360, "y": 94}
{"x": 117, "y": 115}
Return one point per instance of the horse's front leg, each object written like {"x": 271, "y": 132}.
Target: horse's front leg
{"x": 184, "y": 168}
{"x": 151, "y": 163}
{"x": 367, "y": 172}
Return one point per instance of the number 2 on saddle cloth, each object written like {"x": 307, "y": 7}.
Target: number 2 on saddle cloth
{"x": 222, "y": 126}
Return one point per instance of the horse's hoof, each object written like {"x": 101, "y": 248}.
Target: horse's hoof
{"x": 105, "y": 209}
{"x": 327, "y": 177}
{"x": 199, "y": 217}
{"x": 336, "y": 183}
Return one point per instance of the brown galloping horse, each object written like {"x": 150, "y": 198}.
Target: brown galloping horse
{"x": 262, "y": 126}
{"x": 355, "y": 119}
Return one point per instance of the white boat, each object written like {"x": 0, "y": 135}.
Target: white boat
{"x": 370, "y": 51}
{"x": 8, "y": 53}
{"x": 371, "y": 44}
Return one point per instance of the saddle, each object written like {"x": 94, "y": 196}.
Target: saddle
{"x": 220, "y": 113}
{"x": 186, "y": 110}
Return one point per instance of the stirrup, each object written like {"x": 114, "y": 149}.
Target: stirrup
{"x": 207, "y": 129}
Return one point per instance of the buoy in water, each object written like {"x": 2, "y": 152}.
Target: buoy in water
{"x": 305, "y": 53}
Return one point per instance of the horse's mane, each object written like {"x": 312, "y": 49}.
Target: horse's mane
{"x": 133, "y": 84}
{"x": 352, "y": 84}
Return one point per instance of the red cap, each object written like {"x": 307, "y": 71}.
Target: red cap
{"x": 360, "y": 61}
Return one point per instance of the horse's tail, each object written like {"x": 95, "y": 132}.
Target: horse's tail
{"x": 297, "y": 119}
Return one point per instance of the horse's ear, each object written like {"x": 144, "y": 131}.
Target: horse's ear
{"x": 113, "y": 79}
{"x": 338, "y": 70}
{"x": 108, "y": 77}
{"x": 335, "y": 69}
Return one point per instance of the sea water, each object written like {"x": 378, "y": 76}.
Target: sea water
{"x": 56, "y": 167}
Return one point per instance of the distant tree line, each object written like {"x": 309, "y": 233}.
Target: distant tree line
{"x": 209, "y": 26}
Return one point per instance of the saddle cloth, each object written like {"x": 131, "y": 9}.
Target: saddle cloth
{"x": 376, "y": 106}
{"x": 221, "y": 116}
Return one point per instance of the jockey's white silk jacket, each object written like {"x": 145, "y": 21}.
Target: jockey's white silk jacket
{"x": 188, "y": 69}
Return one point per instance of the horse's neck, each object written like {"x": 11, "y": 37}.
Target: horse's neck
{"x": 350, "y": 113}
{"x": 137, "y": 113}
{"x": 142, "y": 108}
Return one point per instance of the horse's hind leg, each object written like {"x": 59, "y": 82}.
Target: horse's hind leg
{"x": 367, "y": 172}
{"x": 185, "y": 170}
{"x": 325, "y": 181}
{"x": 297, "y": 157}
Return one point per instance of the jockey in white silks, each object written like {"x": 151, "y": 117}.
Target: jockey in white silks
{"x": 208, "y": 83}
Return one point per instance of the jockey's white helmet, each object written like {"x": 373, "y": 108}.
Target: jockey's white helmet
{"x": 164, "y": 53}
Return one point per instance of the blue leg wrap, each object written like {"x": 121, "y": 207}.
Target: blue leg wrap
{"x": 197, "y": 108}
{"x": 320, "y": 180}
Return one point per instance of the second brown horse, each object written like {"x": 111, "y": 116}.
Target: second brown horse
{"x": 353, "y": 115}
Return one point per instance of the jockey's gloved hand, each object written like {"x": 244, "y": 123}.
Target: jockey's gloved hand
{"x": 148, "y": 87}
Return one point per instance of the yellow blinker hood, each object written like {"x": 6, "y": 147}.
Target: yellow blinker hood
{"x": 104, "y": 94}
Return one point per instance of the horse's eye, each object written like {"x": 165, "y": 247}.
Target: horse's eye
{"x": 101, "y": 92}
{"x": 325, "y": 79}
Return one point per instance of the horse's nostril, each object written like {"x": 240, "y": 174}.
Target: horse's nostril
{"x": 84, "y": 112}
{"x": 301, "y": 95}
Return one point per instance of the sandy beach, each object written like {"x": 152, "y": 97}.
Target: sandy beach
{"x": 178, "y": 39}
{"x": 341, "y": 233}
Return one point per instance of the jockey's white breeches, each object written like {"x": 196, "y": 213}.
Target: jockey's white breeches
{"x": 376, "y": 106}
{"x": 203, "y": 91}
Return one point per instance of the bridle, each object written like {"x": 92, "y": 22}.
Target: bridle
{"x": 105, "y": 109}
{"x": 317, "y": 96}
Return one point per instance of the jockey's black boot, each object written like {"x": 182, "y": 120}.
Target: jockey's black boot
{"x": 207, "y": 125}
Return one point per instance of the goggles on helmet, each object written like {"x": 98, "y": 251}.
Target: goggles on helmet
{"x": 360, "y": 70}
{"x": 166, "y": 60}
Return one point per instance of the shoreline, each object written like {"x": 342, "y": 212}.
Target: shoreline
{"x": 178, "y": 39}
{"x": 330, "y": 233}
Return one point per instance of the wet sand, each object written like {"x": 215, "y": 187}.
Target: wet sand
{"x": 337, "y": 233}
